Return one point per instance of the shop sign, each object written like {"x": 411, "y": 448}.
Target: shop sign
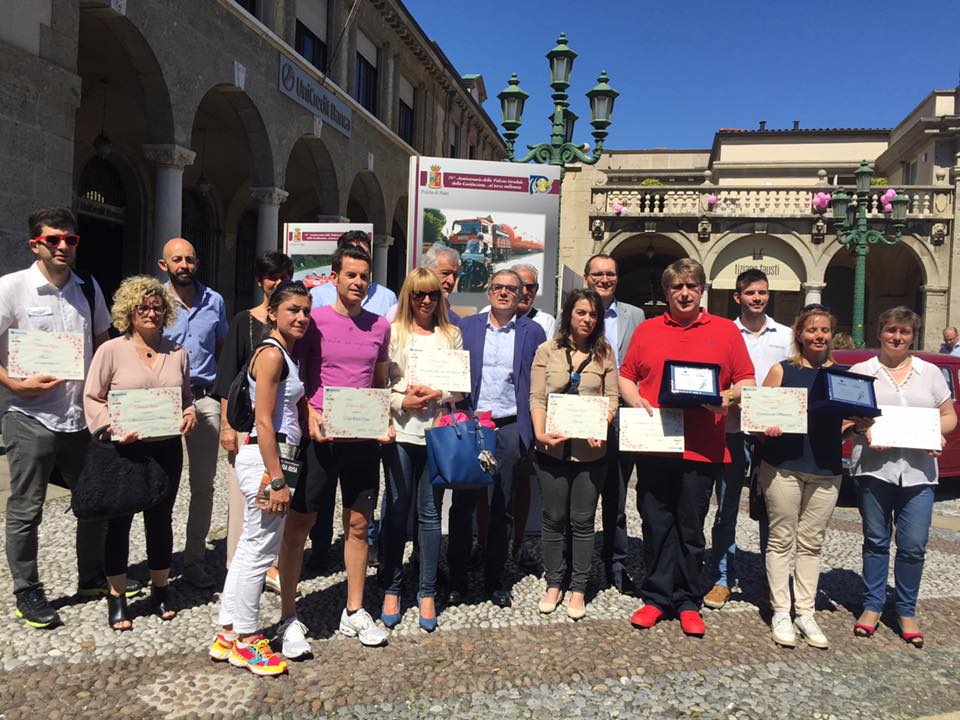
{"x": 309, "y": 93}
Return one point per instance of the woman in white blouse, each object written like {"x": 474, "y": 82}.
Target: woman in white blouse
{"x": 895, "y": 486}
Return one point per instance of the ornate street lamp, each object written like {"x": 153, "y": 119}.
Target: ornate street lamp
{"x": 561, "y": 149}
{"x": 854, "y": 232}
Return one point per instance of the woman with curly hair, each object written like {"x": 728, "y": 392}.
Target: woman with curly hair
{"x": 141, "y": 358}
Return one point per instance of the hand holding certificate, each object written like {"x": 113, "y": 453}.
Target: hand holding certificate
{"x": 35, "y": 352}
{"x": 356, "y": 413}
{"x": 907, "y": 427}
{"x": 774, "y": 407}
{"x": 662, "y": 432}
{"x": 578, "y": 416}
{"x": 150, "y": 412}
{"x": 440, "y": 369}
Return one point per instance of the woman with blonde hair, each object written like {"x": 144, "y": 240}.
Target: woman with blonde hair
{"x": 800, "y": 478}
{"x": 421, "y": 322}
{"x": 141, "y": 358}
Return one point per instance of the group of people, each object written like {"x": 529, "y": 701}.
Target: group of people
{"x": 353, "y": 332}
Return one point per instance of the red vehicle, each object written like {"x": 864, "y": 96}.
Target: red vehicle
{"x": 950, "y": 367}
{"x": 499, "y": 242}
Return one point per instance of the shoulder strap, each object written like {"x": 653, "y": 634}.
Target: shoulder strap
{"x": 250, "y": 326}
{"x": 90, "y": 293}
{"x": 270, "y": 342}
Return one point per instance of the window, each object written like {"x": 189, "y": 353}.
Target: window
{"x": 472, "y": 152}
{"x": 910, "y": 173}
{"x": 454, "y": 140}
{"x": 366, "y": 84}
{"x": 313, "y": 49}
{"x": 405, "y": 123}
{"x": 948, "y": 376}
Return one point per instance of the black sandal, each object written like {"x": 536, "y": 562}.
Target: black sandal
{"x": 161, "y": 597}
{"x": 117, "y": 612}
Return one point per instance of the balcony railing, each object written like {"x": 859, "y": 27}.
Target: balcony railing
{"x": 933, "y": 202}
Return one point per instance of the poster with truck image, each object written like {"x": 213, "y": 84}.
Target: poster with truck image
{"x": 494, "y": 214}
{"x": 311, "y": 247}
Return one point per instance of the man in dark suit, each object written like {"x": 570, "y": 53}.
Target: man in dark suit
{"x": 501, "y": 346}
{"x": 620, "y": 319}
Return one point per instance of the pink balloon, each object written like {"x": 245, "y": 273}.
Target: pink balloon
{"x": 711, "y": 199}
{"x": 887, "y": 208}
{"x": 617, "y": 208}
{"x": 889, "y": 195}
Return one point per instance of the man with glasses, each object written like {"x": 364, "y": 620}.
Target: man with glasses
{"x": 501, "y": 346}
{"x": 444, "y": 262}
{"x": 44, "y": 429}
{"x": 201, "y": 327}
{"x": 950, "y": 345}
{"x": 620, "y": 319}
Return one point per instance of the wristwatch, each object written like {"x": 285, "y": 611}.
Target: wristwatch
{"x": 278, "y": 483}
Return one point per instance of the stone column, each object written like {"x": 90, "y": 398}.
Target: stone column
{"x": 168, "y": 195}
{"x": 934, "y": 316}
{"x": 381, "y": 248}
{"x": 954, "y": 244}
{"x": 268, "y": 200}
{"x": 813, "y": 291}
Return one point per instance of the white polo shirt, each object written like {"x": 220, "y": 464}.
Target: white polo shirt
{"x": 31, "y": 302}
{"x": 767, "y": 348}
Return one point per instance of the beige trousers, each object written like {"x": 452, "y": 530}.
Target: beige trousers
{"x": 799, "y": 506}
{"x": 236, "y": 505}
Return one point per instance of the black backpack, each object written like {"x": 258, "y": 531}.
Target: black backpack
{"x": 240, "y": 413}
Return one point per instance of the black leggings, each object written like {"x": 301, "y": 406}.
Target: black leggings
{"x": 157, "y": 521}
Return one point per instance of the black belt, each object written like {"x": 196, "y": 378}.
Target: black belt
{"x": 252, "y": 439}
{"x": 201, "y": 391}
{"x": 500, "y": 422}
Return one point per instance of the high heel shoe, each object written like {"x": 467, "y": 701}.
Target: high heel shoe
{"x": 117, "y": 612}
{"x": 390, "y": 620}
{"x": 546, "y": 607}
{"x": 160, "y": 597}
{"x": 911, "y": 638}
{"x": 864, "y": 631}
{"x": 428, "y": 624}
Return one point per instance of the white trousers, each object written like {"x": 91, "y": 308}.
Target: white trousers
{"x": 258, "y": 546}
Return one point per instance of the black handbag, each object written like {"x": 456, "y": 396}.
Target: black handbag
{"x": 117, "y": 480}
{"x": 240, "y": 415}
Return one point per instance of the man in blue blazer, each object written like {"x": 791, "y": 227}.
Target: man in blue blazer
{"x": 501, "y": 346}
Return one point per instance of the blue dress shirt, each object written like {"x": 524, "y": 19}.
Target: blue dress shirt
{"x": 610, "y": 330}
{"x": 497, "y": 391}
{"x": 198, "y": 329}
{"x": 379, "y": 299}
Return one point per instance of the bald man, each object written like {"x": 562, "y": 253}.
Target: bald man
{"x": 950, "y": 346}
{"x": 200, "y": 327}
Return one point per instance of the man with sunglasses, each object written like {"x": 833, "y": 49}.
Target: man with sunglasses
{"x": 44, "y": 427}
{"x": 201, "y": 327}
{"x": 501, "y": 346}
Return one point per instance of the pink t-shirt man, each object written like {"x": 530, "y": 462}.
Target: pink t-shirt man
{"x": 342, "y": 351}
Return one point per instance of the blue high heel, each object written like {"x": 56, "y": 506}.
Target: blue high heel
{"x": 428, "y": 624}
{"x": 390, "y": 620}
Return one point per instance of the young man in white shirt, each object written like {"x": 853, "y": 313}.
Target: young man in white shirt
{"x": 768, "y": 342}
{"x": 43, "y": 425}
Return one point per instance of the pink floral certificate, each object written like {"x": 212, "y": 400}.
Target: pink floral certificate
{"x": 36, "y": 352}
{"x": 356, "y": 412}
{"x": 440, "y": 369}
{"x": 661, "y": 432}
{"x": 782, "y": 407}
{"x": 578, "y": 416}
{"x": 149, "y": 412}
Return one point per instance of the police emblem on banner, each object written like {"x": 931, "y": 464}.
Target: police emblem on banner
{"x": 539, "y": 185}
{"x": 435, "y": 178}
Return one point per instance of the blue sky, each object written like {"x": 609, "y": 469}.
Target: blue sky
{"x": 686, "y": 69}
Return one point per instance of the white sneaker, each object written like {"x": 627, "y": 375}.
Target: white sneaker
{"x": 783, "y": 633}
{"x": 295, "y": 644}
{"x": 361, "y": 625}
{"x": 811, "y": 631}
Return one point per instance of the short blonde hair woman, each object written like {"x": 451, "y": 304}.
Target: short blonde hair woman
{"x": 132, "y": 292}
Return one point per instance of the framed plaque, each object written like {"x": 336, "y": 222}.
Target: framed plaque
{"x": 844, "y": 393}
{"x": 689, "y": 384}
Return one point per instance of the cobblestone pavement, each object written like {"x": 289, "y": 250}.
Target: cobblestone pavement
{"x": 485, "y": 662}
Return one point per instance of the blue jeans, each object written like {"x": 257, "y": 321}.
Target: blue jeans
{"x": 405, "y": 465}
{"x": 884, "y": 505}
{"x": 429, "y": 534}
{"x": 724, "y": 534}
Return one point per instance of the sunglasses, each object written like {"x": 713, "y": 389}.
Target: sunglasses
{"x": 814, "y": 306}
{"x": 511, "y": 289}
{"x": 419, "y": 295}
{"x": 72, "y": 240}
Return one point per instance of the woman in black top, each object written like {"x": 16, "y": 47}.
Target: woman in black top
{"x": 247, "y": 329}
{"x": 800, "y": 479}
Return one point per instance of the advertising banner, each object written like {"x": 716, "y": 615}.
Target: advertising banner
{"x": 495, "y": 214}
{"x": 311, "y": 246}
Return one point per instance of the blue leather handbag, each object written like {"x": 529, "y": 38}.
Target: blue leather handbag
{"x": 460, "y": 456}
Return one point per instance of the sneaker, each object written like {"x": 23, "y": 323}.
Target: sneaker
{"x": 717, "y": 597}
{"x": 361, "y": 625}
{"x": 782, "y": 629}
{"x": 196, "y": 575}
{"x": 133, "y": 589}
{"x": 295, "y": 643}
{"x": 257, "y": 657}
{"x": 811, "y": 631}
{"x": 221, "y": 647}
{"x": 35, "y": 609}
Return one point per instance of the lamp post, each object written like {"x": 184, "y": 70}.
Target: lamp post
{"x": 854, "y": 232}
{"x": 560, "y": 150}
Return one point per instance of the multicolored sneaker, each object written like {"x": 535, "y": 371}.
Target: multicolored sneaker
{"x": 257, "y": 657}
{"x": 221, "y": 648}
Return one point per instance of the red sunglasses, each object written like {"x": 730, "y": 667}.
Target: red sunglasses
{"x": 55, "y": 240}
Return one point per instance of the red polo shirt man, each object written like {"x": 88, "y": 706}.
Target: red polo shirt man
{"x": 673, "y": 491}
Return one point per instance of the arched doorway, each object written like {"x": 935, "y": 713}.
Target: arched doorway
{"x": 397, "y": 255}
{"x": 311, "y": 182}
{"x": 199, "y": 228}
{"x": 102, "y": 213}
{"x": 641, "y": 260}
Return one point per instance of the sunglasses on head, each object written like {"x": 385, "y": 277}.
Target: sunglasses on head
{"x": 814, "y": 306}
{"x": 71, "y": 239}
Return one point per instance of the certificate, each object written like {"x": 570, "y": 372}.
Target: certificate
{"x": 440, "y": 369}
{"x": 578, "y": 416}
{"x": 356, "y": 412}
{"x": 687, "y": 379}
{"x": 663, "y": 432}
{"x": 907, "y": 427}
{"x": 782, "y": 407}
{"x": 152, "y": 412}
{"x": 35, "y": 352}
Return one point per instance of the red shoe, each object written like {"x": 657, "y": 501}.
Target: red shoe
{"x": 692, "y": 624}
{"x": 646, "y": 617}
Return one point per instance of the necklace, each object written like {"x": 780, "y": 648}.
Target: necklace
{"x": 901, "y": 366}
